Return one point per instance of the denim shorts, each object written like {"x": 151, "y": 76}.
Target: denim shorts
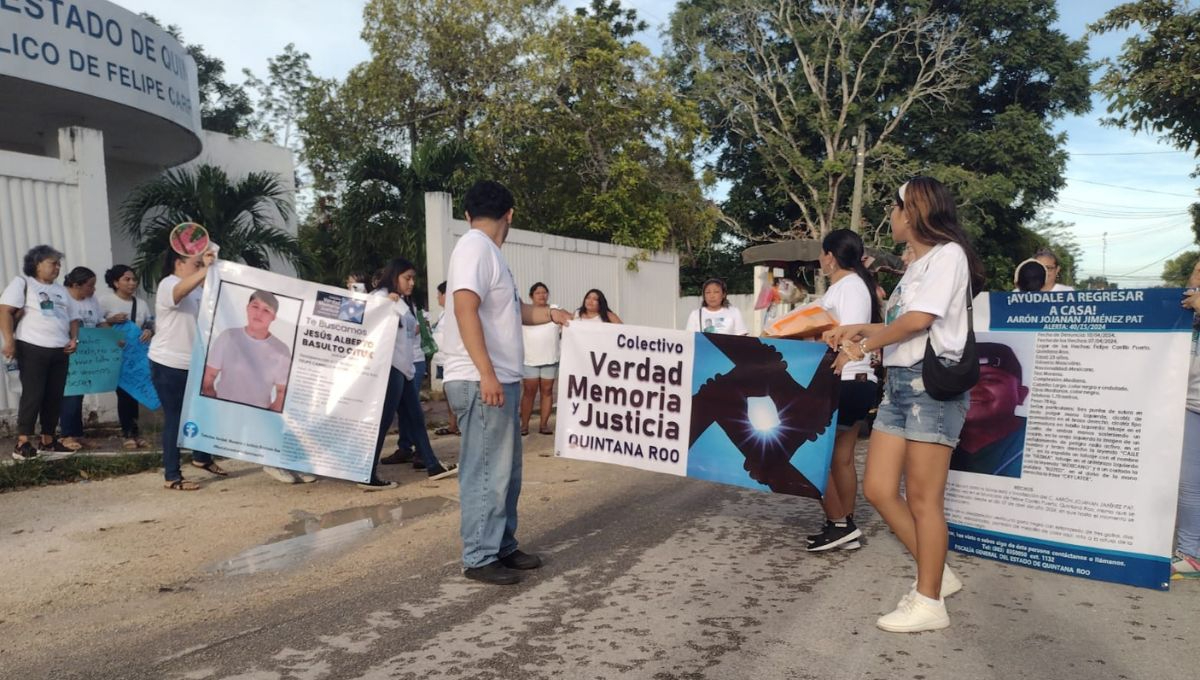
{"x": 908, "y": 411}
{"x": 546, "y": 372}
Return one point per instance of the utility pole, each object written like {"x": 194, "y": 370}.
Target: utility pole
{"x": 860, "y": 155}
{"x": 1104, "y": 259}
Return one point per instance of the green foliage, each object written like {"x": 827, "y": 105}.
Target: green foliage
{"x": 239, "y": 217}
{"x": 40, "y": 472}
{"x": 1152, "y": 86}
{"x": 1095, "y": 283}
{"x": 1178, "y": 270}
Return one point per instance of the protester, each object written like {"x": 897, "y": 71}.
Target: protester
{"x": 1050, "y": 261}
{"x": 484, "y": 357}
{"x": 358, "y": 282}
{"x": 1031, "y": 276}
{"x": 397, "y": 281}
{"x": 42, "y": 342}
{"x": 595, "y": 308}
{"x": 1186, "y": 563}
{"x": 849, "y": 300}
{"x": 80, "y": 283}
{"x": 439, "y": 361}
{"x": 405, "y": 448}
{"x": 541, "y": 364}
{"x": 715, "y": 315}
{"x": 914, "y": 433}
{"x": 121, "y": 307}
{"x": 176, "y": 306}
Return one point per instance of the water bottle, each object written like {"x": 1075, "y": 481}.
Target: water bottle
{"x": 12, "y": 372}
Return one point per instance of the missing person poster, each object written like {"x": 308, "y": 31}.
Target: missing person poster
{"x": 754, "y": 412}
{"x": 288, "y": 373}
{"x": 1069, "y": 457}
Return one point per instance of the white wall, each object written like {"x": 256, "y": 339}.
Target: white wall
{"x": 568, "y": 267}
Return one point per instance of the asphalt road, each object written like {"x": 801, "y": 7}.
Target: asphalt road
{"x": 650, "y": 577}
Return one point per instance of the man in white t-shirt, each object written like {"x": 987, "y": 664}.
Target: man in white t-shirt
{"x": 483, "y": 351}
{"x": 248, "y": 365}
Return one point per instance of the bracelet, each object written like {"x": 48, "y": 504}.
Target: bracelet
{"x": 862, "y": 347}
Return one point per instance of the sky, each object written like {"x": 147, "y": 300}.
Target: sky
{"x": 1129, "y": 186}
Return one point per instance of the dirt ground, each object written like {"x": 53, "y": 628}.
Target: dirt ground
{"x": 126, "y": 556}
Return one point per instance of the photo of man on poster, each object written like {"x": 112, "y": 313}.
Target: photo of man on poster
{"x": 248, "y": 365}
{"x": 993, "y": 437}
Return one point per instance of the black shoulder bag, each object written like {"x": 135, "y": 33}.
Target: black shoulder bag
{"x": 947, "y": 382}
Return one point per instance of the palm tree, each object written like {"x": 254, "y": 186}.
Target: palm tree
{"x": 382, "y": 211}
{"x": 239, "y": 217}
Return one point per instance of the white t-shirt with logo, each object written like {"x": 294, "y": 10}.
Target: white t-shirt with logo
{"x": 111, "y": 304}
{"x": 175, "y": 325}
{"x": 478, "y": 266}
{"x": 541, "y": 344}
{"x": 88, "y": 310}
{"x": 936, "y": 284}
{"x": 250, "y": 368}
{"x": 849, "y": 301}
{"x": 725, "y": 321}
{"x": 48, "y": 311}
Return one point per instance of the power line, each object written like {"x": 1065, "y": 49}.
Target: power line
{"x": 1123, "y": 153}
{"x": 1161, "y": 259}
{"x": 1118, "y": 186}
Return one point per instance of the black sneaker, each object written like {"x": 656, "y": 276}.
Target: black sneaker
{"x": 813, "y": 538}
{"x": 418, "y": 464}
{"x": 493, "y": 573}
{"x": 56, "y": 446}
{"x": 443, "y": 471}
{"x": 398, "y": 456}
{"x": 25, "y": 451}
{"x": 377, "y": 485}
{"x": 521, "y": 560}
{"x": 838, "y": 534}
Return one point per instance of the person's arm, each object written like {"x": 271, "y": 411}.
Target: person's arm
{"x": 470, "y": 327}
{"x": 280, "y": 391}
{"x": 693, "y": 322}
{"x": 208, "y": 386}
{"x": 190, "y": 282}
{"x": 534, "y": 316}
{"x": 6, "y": 330}
{"x": 73, "y": 343}
{"x": 613, "y": 318}
{"x": 877, "y": 336}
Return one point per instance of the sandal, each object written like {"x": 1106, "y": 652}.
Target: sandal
{"x": 524, "y": 432}
{"x": 129, "y": 444}
{"x": 71, "y": 444}
{"x": 181, "y": 485}
{"x": 443, "y": 431}
{"x": 211, "y": 467}
{"x": 541, "y": 431}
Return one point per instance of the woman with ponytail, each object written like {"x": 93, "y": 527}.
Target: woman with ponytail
{"x": 914, "y": 434}
{"x": 850, "y": 301}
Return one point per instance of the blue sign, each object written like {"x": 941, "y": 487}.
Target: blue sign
{"x": 135, "y": 367}
{"x": 96, "y": 362}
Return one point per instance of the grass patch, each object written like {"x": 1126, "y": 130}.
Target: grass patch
{"x": 38, "y": 472}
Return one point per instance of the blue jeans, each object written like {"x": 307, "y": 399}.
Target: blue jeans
{"x": 403, "y": 398}
{"x": 1187, "y": 528}
{"x": 418, "y": 378}
{"x": 489, "y": 471}
{"x": 71, "y": 420}
{"x": 171, "y": 384}
{"x": 908, "y": 411}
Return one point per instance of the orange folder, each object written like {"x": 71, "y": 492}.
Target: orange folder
{"x": 806, "y": 322}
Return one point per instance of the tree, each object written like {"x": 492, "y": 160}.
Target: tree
{"x": 224, "y": 107}
{"x": 1151, "y": 86}
{"x": 1178, "y": 270}
{"x": 1096, "y": 283}
{"x": 1056, "y": 235}
{"x": 240, "y": 217}
{"x": 991, "y": 141}
{"x": 280, "y": 104}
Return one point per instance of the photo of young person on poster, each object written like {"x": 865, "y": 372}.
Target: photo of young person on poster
{"x": 248, "y": 364}
{"x": 993, "y": 436}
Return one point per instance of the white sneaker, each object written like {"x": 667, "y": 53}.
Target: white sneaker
{"x": 915, "y": 614}
{"x": 950, "y": 583}
{"x": 305, "y": 478}
{"x": 280, "y": 475}
{"x": 850, "y": 545}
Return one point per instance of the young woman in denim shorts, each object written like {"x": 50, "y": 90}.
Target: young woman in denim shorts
{"x": 914, "y": 434}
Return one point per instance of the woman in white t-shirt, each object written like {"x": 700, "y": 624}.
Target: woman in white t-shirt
{"x": 41, "y": 345}
{"x": 715, "y": 315}
{"x": 541, "y": 364}
{"x": 122, "y": 307}
{"x": 849, "y": 299}
{"x": 176, "y": 307}
{"x": 594, "y": 308}
{"x": 1185, "y": 564}
{"x": 80, "y": 283}
{"x": 914, "y": 433}
{"x": 1050, "y": 261}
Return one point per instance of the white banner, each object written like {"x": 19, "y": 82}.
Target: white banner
{"x": 1069, "y": 459}
{"x": 288, "y": 373}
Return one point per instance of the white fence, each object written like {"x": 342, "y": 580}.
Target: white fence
{"x": 50, "y": 200}
{"x": 646, "y": 296}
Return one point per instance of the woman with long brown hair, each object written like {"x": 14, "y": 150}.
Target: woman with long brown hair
{"x": 914, "y": 433}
